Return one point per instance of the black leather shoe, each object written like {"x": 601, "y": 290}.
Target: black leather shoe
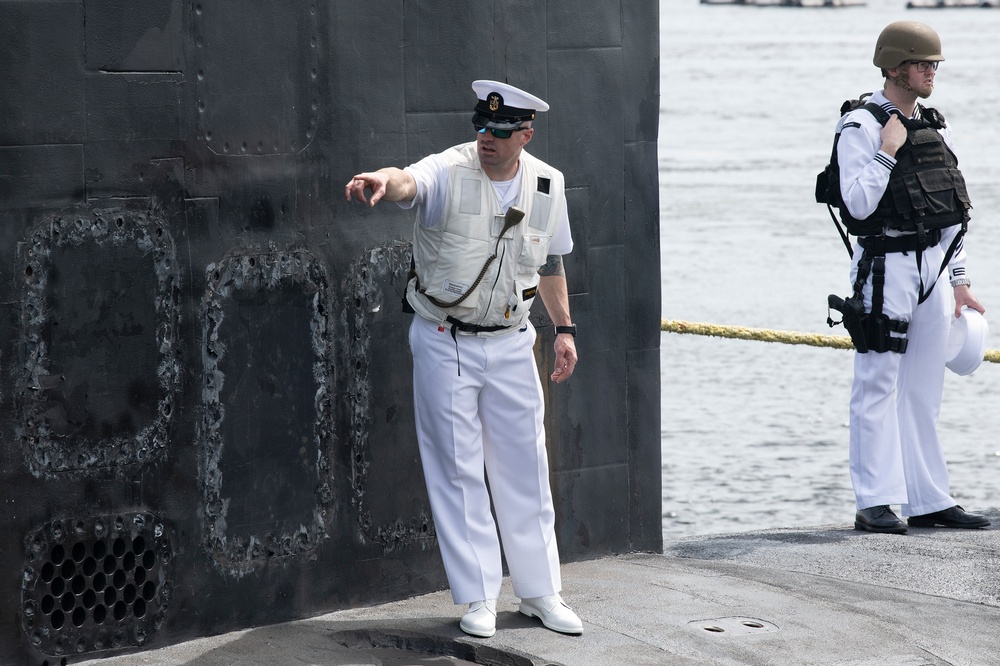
{"x": 879, "y": 519}
{"x": 951, "y": 517}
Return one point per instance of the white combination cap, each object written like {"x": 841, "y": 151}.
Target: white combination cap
{"x": 503, "y": 106}
{"x": 966, "y": 342}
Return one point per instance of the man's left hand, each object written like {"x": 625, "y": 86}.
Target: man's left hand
{"x": 565, "y": 348}
{"x": 964, "y": 298}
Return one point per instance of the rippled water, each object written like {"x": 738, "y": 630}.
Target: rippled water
{"x": 754, "y": 434}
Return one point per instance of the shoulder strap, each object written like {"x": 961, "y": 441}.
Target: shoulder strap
{"x": 881, "y": 115}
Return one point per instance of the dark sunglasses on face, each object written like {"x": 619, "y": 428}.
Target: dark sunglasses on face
{"x": 499, "y": 133}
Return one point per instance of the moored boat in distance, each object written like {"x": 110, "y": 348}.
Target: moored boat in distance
{"x": 788, "y": 3}
{"x": 952, "y": 4}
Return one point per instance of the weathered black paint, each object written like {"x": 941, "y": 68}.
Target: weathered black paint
{"x": 205, "y": 410}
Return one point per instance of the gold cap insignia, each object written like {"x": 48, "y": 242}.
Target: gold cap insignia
{"x": 494, "y": 100}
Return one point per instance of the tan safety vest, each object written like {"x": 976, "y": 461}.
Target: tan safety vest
{"x": 450, "y": 256}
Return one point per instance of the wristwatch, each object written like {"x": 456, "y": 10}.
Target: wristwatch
{"x": 571, "y": 329}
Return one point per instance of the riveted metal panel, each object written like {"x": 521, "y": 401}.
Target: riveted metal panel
{"x": 257, "y": 80}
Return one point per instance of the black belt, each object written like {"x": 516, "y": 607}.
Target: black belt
{"x": 457, "y": 325}
{"x": 471, "y": 328}
{"x": 908, "y": 243}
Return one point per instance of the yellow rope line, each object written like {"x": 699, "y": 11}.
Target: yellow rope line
{"x": 771, "y": 335}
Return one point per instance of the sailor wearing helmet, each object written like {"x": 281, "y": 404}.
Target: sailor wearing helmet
{"x": 900, "y": 183}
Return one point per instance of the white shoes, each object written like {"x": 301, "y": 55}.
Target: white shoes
{"x": 481, "y": 618}
{"x": 553, "y": 612}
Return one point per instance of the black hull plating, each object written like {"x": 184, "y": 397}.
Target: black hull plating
{"x": 205, "y": 404}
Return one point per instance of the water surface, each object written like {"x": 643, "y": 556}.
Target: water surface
{"x": 754, "y": 435}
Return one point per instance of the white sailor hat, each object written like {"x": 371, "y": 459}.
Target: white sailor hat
{"x": 966, "y": 342}
{"x": 503, "y": 106}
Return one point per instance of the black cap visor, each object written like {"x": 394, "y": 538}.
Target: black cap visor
{"x": 506, "y": 117}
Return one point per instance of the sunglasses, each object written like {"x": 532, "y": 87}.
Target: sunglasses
{"x": 499, "y": 133}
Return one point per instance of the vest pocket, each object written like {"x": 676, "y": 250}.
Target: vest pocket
{"x": 939, "y": 192}
{"x": 525, "y": 290}
{"x": 540, "y": 213}
{"x": 534, "y": 250}
{"x": 458, "y": 264}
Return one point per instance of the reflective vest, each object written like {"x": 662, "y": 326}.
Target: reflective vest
{"x": 449, "y": 258}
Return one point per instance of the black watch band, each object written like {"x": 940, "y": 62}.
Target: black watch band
{"x": 571, "y": 329}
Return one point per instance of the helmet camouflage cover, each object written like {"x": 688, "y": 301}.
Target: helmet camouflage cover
{"x": 906, "y": 40}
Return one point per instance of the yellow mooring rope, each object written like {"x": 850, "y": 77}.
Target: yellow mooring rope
{"x": 770, "y": 335}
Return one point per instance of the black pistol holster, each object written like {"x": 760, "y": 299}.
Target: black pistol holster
{"x": 852, "y": 311}
{"x": 873, "y": 330}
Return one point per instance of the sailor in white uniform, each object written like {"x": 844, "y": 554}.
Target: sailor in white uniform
{"x": 895, "y": 454}
{"x": 490, "y": 232}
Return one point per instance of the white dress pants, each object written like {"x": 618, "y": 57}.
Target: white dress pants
{"x": 489, "y": 417}
{"x": 895, "y": 454}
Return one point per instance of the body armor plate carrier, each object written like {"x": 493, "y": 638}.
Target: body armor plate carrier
{"x": 926, "y": 193}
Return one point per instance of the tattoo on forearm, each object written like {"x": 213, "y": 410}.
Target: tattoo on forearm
{"x": 553, "y": 266}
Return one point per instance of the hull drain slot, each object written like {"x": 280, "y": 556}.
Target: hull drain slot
{"x": 733, "y": 626}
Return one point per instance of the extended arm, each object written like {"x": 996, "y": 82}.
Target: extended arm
{"x": 390, "y": 183}
{"x": 555, "y": 297}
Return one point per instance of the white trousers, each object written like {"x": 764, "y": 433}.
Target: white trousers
{"x": 895, "y": 455}
{"x": 488, "y": 418}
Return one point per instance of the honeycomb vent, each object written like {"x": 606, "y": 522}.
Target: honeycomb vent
{"x": 95, "y": 584}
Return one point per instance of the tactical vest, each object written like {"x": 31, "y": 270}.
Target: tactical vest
{"x": 926, "y": 190}
{"x": 926, "y": 193}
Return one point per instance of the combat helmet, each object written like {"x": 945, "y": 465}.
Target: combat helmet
{"x": 906, "y": 40}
